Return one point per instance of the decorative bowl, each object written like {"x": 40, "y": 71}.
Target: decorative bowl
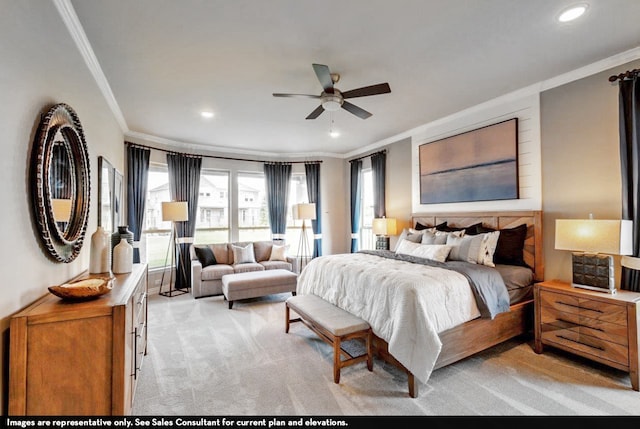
{"x": 83, "y": 290}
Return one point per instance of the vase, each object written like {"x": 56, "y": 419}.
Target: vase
{"x": 123, "y": 257}
{"x": 119, "y": 234}
{"x": 100, "y": 252}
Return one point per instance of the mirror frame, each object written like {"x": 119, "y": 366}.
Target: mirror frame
{"x": 62, "y": 246}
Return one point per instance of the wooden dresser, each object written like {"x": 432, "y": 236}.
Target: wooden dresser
{"x": 80, "y": 358}
{"x": 596, "y": 325}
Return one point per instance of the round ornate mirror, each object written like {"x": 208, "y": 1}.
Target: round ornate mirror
{"x": 60, "y": 182}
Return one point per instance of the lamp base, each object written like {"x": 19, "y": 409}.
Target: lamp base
{"x": 594, "y": 272}
{"x": 382, "y": 242}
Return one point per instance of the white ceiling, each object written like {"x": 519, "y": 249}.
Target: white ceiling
{"x": 165, "y": 60}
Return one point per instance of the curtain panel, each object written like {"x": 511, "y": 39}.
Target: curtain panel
{"x": 277, "y": 176}
{"x": 629, "y": 130}
{"x": 184, "y": 185}
{"x": 312, "y": 173}
{"x": 356, "y": 191}
{"x": 378, "y": 168}
{"x": 137, "y": 180}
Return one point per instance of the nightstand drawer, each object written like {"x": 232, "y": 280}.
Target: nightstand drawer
{"x": 585, "y": 345}
{"x": 598, "y": 310}
{"x": 604, "y": 330}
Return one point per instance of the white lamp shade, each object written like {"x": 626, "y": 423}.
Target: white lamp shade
{"x": 304, "y": 211}
{"x": 61, "y": 209}
{"x": 175, "y": 211}
{"x": 612, "y": 237}
{"x": 384, "y": 226}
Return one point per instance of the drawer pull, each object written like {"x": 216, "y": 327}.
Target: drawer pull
{"x": 143, "y": 297}
{"x": 579, "y": 307}
{"x": 578, "y": 342}
{"x": 580, "y": 325}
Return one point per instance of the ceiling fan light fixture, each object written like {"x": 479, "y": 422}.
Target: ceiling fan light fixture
{"x": 331, "y": 102}
{"x": 206, "y": 114}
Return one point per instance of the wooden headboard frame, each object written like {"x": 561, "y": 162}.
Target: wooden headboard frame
{"x": 533, "y": 248}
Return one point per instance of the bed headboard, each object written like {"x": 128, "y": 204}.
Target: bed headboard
{"x": 498, "y": 220}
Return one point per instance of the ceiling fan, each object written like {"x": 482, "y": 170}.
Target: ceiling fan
{"x": 332, "y": 99}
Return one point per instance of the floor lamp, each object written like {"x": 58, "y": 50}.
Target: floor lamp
{"x": 173, "y": 211}
{"x": 304, "y": 212}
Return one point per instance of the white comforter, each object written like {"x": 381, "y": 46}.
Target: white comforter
{"x": 406, "y": 304}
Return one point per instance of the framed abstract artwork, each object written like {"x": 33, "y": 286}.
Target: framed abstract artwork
{"x": 478, "y": 165}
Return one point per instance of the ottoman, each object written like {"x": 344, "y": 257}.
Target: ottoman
{"x": 254, "y": 284}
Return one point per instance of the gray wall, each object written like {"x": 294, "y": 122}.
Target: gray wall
{"x": 580, "y": 159}
{"x": 41, "y": 66}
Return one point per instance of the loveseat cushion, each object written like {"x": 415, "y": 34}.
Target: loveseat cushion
{"x": 221, "y": 252}
{"x": 247, "y": 267}
{"x": 262, "y": 250}
{"x": 215, "y": 272}
{"x": 275, "y": 265}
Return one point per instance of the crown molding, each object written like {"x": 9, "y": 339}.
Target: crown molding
{"x": 71, "y": 21}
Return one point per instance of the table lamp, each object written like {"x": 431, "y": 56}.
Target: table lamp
{"x": 592, "y": 242}
{"x": 383, "y": 227}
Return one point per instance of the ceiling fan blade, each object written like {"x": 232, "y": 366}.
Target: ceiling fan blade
{"x": 324, "y": 76}
{"x": 315, "y": 113}
{"x": 381, "y": 88}
{"x": 276, "y": 94}
{"x": 352, "y": 108}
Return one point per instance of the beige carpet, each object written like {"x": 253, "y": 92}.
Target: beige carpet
{"x": 204, "y": 359}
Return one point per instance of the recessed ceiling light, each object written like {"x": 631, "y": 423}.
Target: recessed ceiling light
{"x": 334, "y": 134}
{"x": 572, "y": 13}
{"x": 206, "y": 114}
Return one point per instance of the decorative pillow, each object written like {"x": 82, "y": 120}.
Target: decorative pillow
{"x": 279, "y": 253}
{"x": 488, "y": 248}
{"x": 420, "y": 227}
{"x": 405, "y": 247}
{"x": 442, "y": 236}
{"x": 243, "y": 255}
{"x": 406, "y": 234}
{"x": 465, "y": 248}
{"x": 435, "y": 252}
{"x": 205, "y": 255}
{"x": 510, "y": 247}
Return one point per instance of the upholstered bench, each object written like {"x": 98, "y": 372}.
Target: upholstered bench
{"x": 253, "y": 284}
{"x": 334, "y": 326}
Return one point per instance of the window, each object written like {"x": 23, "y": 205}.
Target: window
{"x": 297, "y": 195}
{"x": 367, "y": 238}
{"x": 253, "y": 220}
{"x": 156, "y": 235}
{"x": 212, "y": 224}
{"x": 212, "y": 218}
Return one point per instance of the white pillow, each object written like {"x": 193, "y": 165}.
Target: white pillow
{"x": 405, "y": 247}
{"x": 488, "y": 248}
{"x": 279, "y": 253}
{"x": 435, "y": 252}
{"x": 243, "y": 255}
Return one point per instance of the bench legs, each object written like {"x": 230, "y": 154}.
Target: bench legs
{"x": 336, "y": 342}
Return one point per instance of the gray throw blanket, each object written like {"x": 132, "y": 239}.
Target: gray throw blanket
{"x": 489, "y": 290}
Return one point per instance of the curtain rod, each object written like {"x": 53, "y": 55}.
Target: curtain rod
{"x": 629, "y": 74}
{"x": 221, "y": 157}
{"x": 367, "y": 156}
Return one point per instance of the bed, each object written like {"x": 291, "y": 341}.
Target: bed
{"x": 427, "y": 314}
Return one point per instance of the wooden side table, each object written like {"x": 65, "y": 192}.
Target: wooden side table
{"x": 595, "y": 325}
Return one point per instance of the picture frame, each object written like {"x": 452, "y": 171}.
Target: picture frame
{"x": 118, "y": 199}
{"x": 478, "y": 165}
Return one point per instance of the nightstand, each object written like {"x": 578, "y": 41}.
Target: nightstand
{"x": 595, "y": 325}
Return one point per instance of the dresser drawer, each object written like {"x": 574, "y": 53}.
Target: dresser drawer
{"x": 585, "y": 325}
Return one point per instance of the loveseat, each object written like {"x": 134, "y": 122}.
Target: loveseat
{"x": 209, "y": 262}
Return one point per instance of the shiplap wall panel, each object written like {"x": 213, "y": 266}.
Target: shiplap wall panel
{"x": 527, "y": 110}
